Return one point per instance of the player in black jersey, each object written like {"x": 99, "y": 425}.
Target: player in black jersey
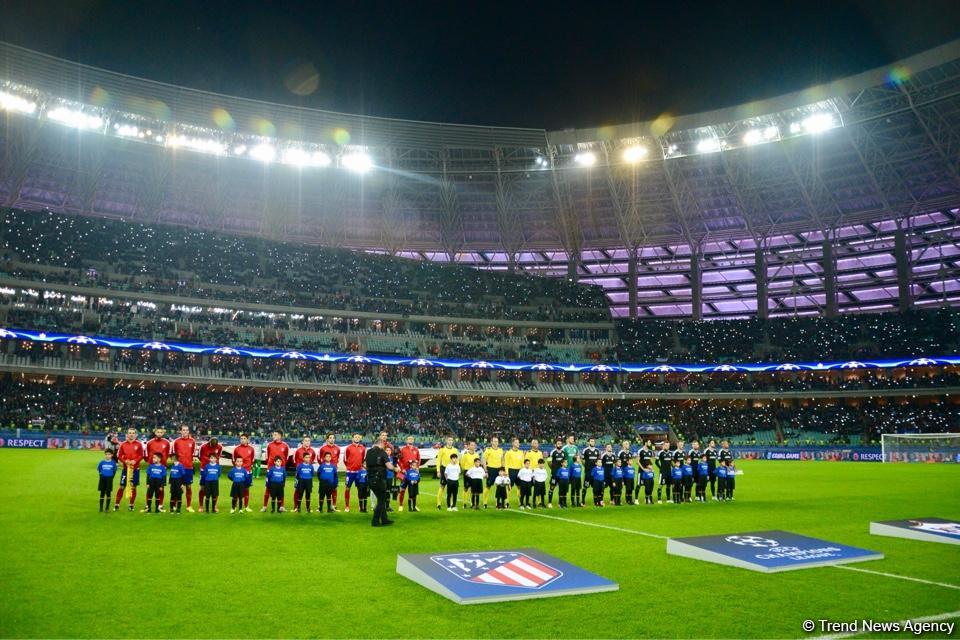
{"x": 724, "y": 457}
{"x": 645, "y": 456}
{"x": 557, "y": 456}
{"x": 680, "y": 452}
{"x": 711, "y": 453}
{"x": 590, "y": 455}
{"x": 664, "y": 462}
{"x": 607, "y": 459}
{"x": 695, "y": 454}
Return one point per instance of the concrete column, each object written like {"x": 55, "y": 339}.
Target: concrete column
{"x": 696, "y": 285}
{"x": 904, "y": 270}
{"x": 829, "y": 266}
{"x": 573, "y": 264}
{"x": 760, "y": 269}
{"x": 632, "y": 282}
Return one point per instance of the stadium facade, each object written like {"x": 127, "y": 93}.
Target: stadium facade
{"x": 839, "y": 198}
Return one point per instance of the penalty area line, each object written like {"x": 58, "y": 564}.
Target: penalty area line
{"x": 940, "y": 617}
{"x": 593, "y": 524}
{"x": 896, "y": 575}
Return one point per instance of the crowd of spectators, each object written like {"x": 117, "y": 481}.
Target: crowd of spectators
{"x": 88, "y": 408}
{"x": 113, "y": 254}
{"x": 920, "y": 333}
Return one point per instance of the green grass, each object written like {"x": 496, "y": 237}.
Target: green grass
{"x": 71, "y": 571}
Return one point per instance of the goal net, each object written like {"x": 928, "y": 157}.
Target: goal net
{"x": 921, "y": 447}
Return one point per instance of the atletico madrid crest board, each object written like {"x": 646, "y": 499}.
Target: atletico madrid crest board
{"x": 471, "y": 577}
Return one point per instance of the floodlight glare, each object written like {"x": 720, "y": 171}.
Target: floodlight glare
{"x": 10, "y": 102}
{"x": 585, "y": 159}
{"x": 301, "y": 158}
{"x": 127, "y": 130}
{"x": 75, "y": 119}
{"x": 754, "y": 136}
{"x": 358, "y": 162}
{"x": 708, "y": 145}
{"x": 636, "y": 153}
{"x": 818, "y": 123}
{"x": 263, "y": 152}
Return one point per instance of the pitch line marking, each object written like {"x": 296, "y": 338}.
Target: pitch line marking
{"x": 594, "y": 524}
{"x": 935, "y": 618}
{"x": 896, "y": 575}
{"x": 654, "y": 535}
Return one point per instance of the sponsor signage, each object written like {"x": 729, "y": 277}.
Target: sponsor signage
{"x": 926, "y": 529}
{"x": 472, "y": 577}
{"x": 768, "y": 551}
{"x": 23, "y": 443}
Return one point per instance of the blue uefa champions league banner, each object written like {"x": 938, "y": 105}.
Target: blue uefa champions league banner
{"x": 829, "y": 453}
{"x": 768, "y": 551}
{"x": 23, "y": 443}
{"x": 403, "y": 361}
{"x": 472, "y": 577}
{"x": 925, "y": 529}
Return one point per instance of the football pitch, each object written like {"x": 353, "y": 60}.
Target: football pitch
{"x": 71, "y": 571}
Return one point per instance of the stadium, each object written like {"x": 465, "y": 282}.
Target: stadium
{"x": 776, "y": 281}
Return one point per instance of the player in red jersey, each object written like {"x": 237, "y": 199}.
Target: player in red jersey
{"x": 160, "y": 446}
{"x": 129, "y": 455}
{"x": 274, "y": 449}
{"x": 298, "y": 455}
{"x": 408, "y": 453}
{"x": 353, "y": 456}
{"x": 184, "y": 449}
{"x": 331, "y": 447}
{"x": 245, "y": 453}
{"x": 209, "y": 448}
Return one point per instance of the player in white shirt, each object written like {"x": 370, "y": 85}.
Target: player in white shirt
{"x": 525, "y": 482}
{"x": 452, "y": 474}
{"x": 540, "y": 484}
{"x": 474, "y": 482}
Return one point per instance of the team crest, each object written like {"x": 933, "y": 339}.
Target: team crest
{"x": 503, "y": 568}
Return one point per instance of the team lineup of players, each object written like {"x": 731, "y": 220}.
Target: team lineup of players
{"x": 684, "y": 474}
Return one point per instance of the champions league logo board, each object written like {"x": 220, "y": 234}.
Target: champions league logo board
{"x": 473, "y": 577}
{"x": 768, "y": 551}
{"x": 926, "y": 529}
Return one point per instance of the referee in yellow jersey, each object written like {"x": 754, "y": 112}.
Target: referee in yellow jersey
{"x": 492, "y": 462}
{"x": 467, "y": 459}
{"x": 513, "y": 461}
{"x": 443, "y": 459}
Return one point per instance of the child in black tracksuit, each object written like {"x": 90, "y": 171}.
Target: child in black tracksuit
{"x": 731, "y": 480}
{"x": 107, "y": 470}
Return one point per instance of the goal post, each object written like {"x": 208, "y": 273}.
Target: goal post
{"x": 920, "y": 447}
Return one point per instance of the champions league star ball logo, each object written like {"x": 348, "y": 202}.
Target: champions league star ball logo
{"x": 505, "y": 569}
{"x": 752, "y": 541}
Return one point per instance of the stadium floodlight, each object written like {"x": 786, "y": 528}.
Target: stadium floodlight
{"x": 634, "y": 153}
{"x": 127, "y": 130}
{"x": 818, "y": 123}
{"x": 357, "y": 161}
{"x": 301, "y": 158}
{"x": 202, "y": 145}
{"x": 74, "y": 118}
{"x": 263, "y": 152}
{"x": 10, "y": 102}
{"x": 708, "y": 145}
{"x": 240, "y": 149}
{"x": 585, "y": 159}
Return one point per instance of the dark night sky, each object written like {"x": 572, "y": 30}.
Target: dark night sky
{"x": 547, "y": 65}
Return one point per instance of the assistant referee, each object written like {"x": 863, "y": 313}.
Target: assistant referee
{"x": 377, "y": 464}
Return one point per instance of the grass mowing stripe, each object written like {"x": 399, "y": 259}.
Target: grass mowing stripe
{"x": 896, "y": 575}
{"x": 940, "y": 617}
{"x": 654, "y": 535}
{"x": 593, "y": 524}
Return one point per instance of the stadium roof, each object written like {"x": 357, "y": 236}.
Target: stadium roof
{"x": 853, "y": 161}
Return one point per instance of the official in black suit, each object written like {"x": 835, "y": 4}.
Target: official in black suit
{"x": 377, "y": 464}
